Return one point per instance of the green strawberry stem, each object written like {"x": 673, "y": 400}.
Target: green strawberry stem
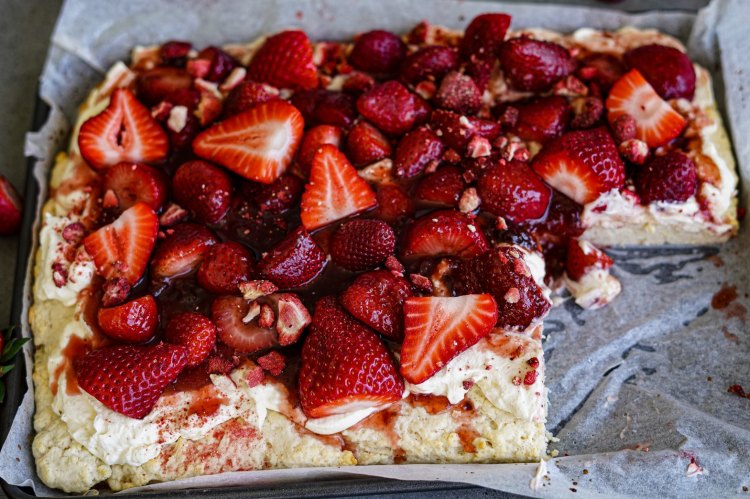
{"x": 10, "y": 347}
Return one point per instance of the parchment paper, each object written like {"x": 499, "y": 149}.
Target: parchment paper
{"x": 637, "y": 390}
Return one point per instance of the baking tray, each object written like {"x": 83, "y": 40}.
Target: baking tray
{"x": 353, "y": 486}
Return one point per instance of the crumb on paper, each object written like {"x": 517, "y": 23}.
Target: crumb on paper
{"x": 541, "y": 472}
{"x": 627, "y": 426}
{"x": 694, "y": 469}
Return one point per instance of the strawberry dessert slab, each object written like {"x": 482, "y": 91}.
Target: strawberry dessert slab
{"x": 292, "y": 253}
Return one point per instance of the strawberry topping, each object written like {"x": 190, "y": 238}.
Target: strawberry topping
{"x": 134, "y": 183}
{"x": 376, "y": 298}
{"x": 671, "y": 178}
{"x": 237, "y": 328}
{"x": 391, "y": 107}
{"x": 542, "y": 119}
{"x": 441, "y": 187}
{"x": 182, "y": 251}
{"x": 428, "y": 63}
{"x": 583, "y": 256}
{"x": 313, "y": 139}
{"x": 224, "y": 267}
{"x": 294, "y": 262}
{"x": 365, "y": 144}
{"x": 378, "y": 52}
{"x": 415, "y": 151}
{"x": 667, "y": 69}
{"x": 195, "y": 332}
{"x": 132, "y": 322}
{"x": 484, "y": 35}
{"x": 513, "y": 191}
{"x": 534, "y": 65}
{"x": 362, "y": 244}
{"x": 444, "y": 233}
{"x": 285, "y": 61}
{"x": 203, "y": 189}
{"x": 10, "y": 208}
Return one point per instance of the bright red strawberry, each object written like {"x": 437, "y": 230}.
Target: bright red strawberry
{"x": 582, "y": 165}
{"x": 195, "y": 332}
{"x": 132, "y": 322}
{"x": 442, "y": 187}
{"x": 436, "y": 329}
{"x": 459, "y": 93}
{"x": 294, "y": 262}
{"x": 582, "y": 256}
{"x": 513, "y": 191}
{"x": 224, "y": 267}
{"x": 273, "y": 362}
{"x": 379, "y": 52}
{"x": 444, "y": 233}
{"x": 376, "y": 298}
{"x": 335, "y": 190}
{"x": 669, "y": 70}
{"x": 484, "y": 36}
{"x": 161, "y": 83}
{"x": 247, "y": 95}
{"x": 429, "y": 63}
{"x": 415, "y": 151}
{"x": 313, "y": 139}
{"x": 229, "y": 313}
{"x": 390, "y": 106}
{"x": 456, "y": 131}
{"x": 393, "y": 204}
{"x": 258, "y": 144}
{"x": 534, "y": 65}
{"x": 335, "y": 108}
{"x": 283, "y": 194}
{"x": 672, "y": 178}
{"x": 503, "y": 273}
{"x": 203, "y": 189}
{"x": 365, "y": 145}
{"x": 543, "y": 118}
{"x": 129, "y": 379}
{"x": 134, "y": 183}
{"x": 123, "y": 248}
{"x": 362, "y": 244}
{"x": 602, "y": 69}
{"x": 221, "y": 63}
{"x": 345, "y": 366}
{"x": 10, "y": 208}
{"x": 124, "y": 131}
{"x": 656, "y": 122}
{"x": 182, "y": 251}
{"x": 285, "y": 61}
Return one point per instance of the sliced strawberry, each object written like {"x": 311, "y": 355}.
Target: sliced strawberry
{"x": 583, "y": 256}
{"x": 436, "y": 329}
{"x": 229, "y": 313}
{"x": 669, "y": 70}
{"x": 161, "y": 83}
{"x": 313, "y": 139}
{"x": 134, "y": 183}
{"x": 182, "y": 251}
{"x": 671, "y": 178}
{"x": 376, "y": 298}
{"x": 513, "y": 191}
{"x": 335, "y": 190}
{"x": 203, "y": 189}
{"x": 656, "y": 122}
{"x": 429, "y": 63}
{"x": 294, "y": 262}
{"x": 129, "y": 379}
{"x": 124, "y": 131}
{"x": 10, "y": 208}
{"x": 123, "y": 248}
{"x": 132, "y": 322}
{"x": 247, "y": 95}
{"x": 456, "y": 131}
{"x": 534, "y": 65}
{"x": 273, "y": 362}
{"x": 365, "y": 144}
{"x": 441, "y": 187}
{"x": 345, "y": 367}
{"x": 543, "y": 118}
{"x": 390, "y": 106}
{"x": 195, "y": 332}
{"x": 484, "y": 35}
{"x": 503, "y": 273}
{"x": 444, "y": 233}
{"x": 459, "y": 93}
{"x": 258, "y": 144}
{"x": 582, "y": 165}
{"x": 224, "y": 267}
{"x": 285, "y": 61}
{"x": 416, "y": 150}
{"x": 393, "y": 204}
{"x": 292, "y": 317}
{"x": 378, "y": 52}
{"x": 362, "y": 244}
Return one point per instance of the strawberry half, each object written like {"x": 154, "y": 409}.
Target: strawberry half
{"x": 294, "y": 262}
{"x": 129, "y": 379}
{"x": 134, "y": 321}
{"x": 224, "y": 267}
{"x": 123, "y": 248}
{"x": 182, "y": 251}
{"x": 582, "y": 256}
{"x": 656, "y": 122}
{"x": 285, "y": 61}
{"x": 376, "y": 298}
{"x": 258, "y": 144}
{"x": 436, "y": 329}
{"x": 335, "y": 190}
{"x": 345, "y": 367}
{"x": 135, "y": 182}
{"x": 195, "y": 332}
{"x": 365, "y": 144}
{"x": 362, "y": 244}
{"x": 311, "y": 142}
{"x": 10, "y": 208}
{"x": 229, "y": 313}
{"x": 124, "y": 131}
{"x": 444, "y": 233}
{"x": 582, "y": 165}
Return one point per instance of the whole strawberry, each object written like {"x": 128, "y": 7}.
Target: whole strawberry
{"x": 513, "y": 191}
{"x": 224, "y": 267}
{"x": 129, "y": 379}
{"x": 133, "y": 322}
{"x": 378, "y": 52}
{"x": 672, "y": 178}
{"x": 285, "y": 61}
{"x": 204, "y": 189}
{"x": 428, "y": 63}
{"x": 534, "y": 65}
{"x": 293, "y": 262}
{"x": 362, "y": 244}
{"x": 195, "y": 332}
{"x": 376, "y": 298}
{"x": 344, "y": 366}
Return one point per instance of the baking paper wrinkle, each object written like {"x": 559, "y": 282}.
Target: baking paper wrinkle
{"x": 661, "y": 335}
